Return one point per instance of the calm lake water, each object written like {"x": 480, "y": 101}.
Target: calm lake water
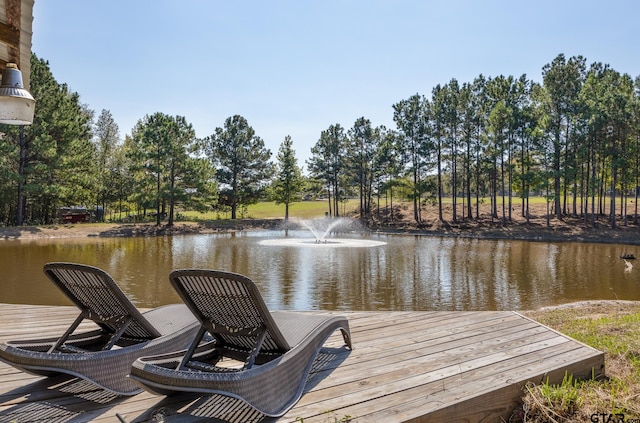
{"x": 387, "y": 272}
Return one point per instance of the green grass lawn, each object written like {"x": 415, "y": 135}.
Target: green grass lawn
{"x": 270, "y": 210}
{"x": 318, "y": 208}
{"x": 301, "y": 209}
{"x": 613, "y": 329}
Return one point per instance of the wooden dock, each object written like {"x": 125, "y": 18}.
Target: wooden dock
{"x": 406, "y": 367}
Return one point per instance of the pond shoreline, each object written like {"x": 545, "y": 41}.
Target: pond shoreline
{"x": 533, "y": 231}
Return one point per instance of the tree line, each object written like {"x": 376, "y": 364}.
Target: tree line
{"x": 573, "y": 138}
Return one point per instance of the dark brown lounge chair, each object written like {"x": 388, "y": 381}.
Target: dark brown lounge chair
{"x": 274, "y": 350}
{"x": 102, "y": 356}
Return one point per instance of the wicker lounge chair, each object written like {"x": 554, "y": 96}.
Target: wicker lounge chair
{"x": 273, "y": 351}
{"x": 101, "y": 356}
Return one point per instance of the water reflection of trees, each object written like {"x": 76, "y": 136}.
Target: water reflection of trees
{"x": 408, "y": 273}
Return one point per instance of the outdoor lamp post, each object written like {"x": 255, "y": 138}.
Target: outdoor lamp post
{"x": 16, "y": 104}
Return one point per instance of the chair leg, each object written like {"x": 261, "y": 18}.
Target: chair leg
{"x": 251, "y": 358}
{"x": 114, "y": 338}
{"x": 189, "y": 353}
{"x": 68, "y": 333}
{"x": 347, "y": 338}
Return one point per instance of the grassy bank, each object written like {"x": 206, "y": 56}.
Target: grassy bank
{"x": 271, "y": 210}
{"x": 612, "y": 327}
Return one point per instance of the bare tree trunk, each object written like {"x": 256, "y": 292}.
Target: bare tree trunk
{"x": 21, "y": 179}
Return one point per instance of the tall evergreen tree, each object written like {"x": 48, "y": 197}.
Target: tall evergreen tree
{"x": 411, "y": 117}
{"x": 636, "y": 146}
{"x": 363, "y": 143}
{"x": 288, "y": 182}
{"x": 388, "y": 164}
{"x": 501, "y": 136}
{"x": 328, "y": 163}
{"x": 452, "y": 122}
{"x": 529, "y": 132}
{"x": 438, "y": 124}
{"x": 151, "y": 144}
{"x": 241, "y": 161}
{"x": 121, "y": 181}
{"x": 160, "y": 152}
{"x": 562, "y": 82}
{"x": 106, "y": 139}
{"x": 469, "y": 116}
{"x": 190, "y": 179}
{"x": 482, "y": 108}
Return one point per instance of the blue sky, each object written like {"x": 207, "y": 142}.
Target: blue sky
{"x": 297, "y": 67}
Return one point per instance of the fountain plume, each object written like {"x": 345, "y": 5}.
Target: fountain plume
{"x": 322, "y": 227}
{"x": 322, "y": 230}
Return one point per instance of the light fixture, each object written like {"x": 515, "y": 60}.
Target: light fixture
{"x": 16, "y": 104}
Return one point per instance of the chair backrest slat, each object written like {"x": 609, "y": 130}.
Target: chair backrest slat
{"x": 231, "y": 301}
{"x": 93, "y": 290}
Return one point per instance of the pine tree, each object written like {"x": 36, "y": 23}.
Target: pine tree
{"x": 241, "y": 161}
{"x": 288, "y": 182}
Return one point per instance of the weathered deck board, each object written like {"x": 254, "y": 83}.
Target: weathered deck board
{"x": 406, "y": 366}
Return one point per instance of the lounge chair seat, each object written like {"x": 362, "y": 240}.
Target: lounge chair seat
{"x": 101, "y": 356}
{"x": 272, "y": 351}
